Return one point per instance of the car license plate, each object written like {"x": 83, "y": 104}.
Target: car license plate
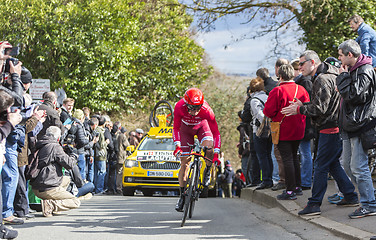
{"x": 160, "y": 174}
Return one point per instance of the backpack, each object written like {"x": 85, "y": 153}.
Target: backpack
{"x": 263, "y": 130}
{"x": 31, "y": 170}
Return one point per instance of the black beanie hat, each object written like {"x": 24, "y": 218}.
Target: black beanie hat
{"x": 26, "y": 76}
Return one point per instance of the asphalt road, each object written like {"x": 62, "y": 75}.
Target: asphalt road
{"x": 138, "y": 217}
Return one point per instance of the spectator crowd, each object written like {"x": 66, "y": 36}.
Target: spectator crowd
{"x": 316, "y": 120}
{"x": 57, "y": 155}
{"x": 52, "y": 156}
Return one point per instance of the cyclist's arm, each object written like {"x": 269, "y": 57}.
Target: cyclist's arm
{"x": 214, "y": 129}
{"x": 176, "y": 127}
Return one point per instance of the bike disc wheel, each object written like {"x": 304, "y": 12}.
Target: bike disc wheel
{"x": 188, "y": 197}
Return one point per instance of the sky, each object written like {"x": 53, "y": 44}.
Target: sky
{"x": 241, "y": 57}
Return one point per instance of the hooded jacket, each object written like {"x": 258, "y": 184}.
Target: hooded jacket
{"x": 324, "y": 105}
{"x": 52, "y": 159}
{"x": 357, "y": 89}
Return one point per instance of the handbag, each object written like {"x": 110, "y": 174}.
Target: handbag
{"x": 275, "y": 127}
{"x": 368, "y": 139}
{"x": 274, "y": 130}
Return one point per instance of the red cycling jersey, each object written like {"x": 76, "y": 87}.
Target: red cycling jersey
{"x": 182, "y": 116}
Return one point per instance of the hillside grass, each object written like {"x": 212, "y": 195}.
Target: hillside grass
{"x": 226, "y": 96}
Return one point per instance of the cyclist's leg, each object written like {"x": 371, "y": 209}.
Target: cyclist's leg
{"x": 205, "y": 137}
{"x": 187, "y": 139}
{"x": 183, "y": 172}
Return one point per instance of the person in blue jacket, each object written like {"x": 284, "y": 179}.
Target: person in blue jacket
{"x": 366, "y": 38}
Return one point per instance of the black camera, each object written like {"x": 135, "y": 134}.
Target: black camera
{"x": 4, "y": 116}
{"x": 7, "y": 64}
{"x": 95, "y": 133}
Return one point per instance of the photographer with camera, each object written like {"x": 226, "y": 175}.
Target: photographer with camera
{"x": 50, "y": 185}
{"x": 11, "y": 73}
{"x": 8, "y": 121}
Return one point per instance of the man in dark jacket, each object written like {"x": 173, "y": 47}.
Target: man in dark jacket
{"x": 356, "y": 84}
{"x": 50, "y": 184}
{"x": 52, "y": 119}
{"x": 323, "y": 110}
{"x": 67, "y": 109}
{"x": 269, "y": 83}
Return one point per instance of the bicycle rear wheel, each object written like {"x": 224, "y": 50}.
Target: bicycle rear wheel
{"x": 189, "y": 192}
{"x": 194, "y": 193}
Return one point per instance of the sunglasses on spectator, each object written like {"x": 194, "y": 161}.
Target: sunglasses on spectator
{"x": 302, "y": 63}
{"x": 193, "y": 107}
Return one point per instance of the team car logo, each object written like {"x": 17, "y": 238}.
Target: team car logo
{"x": 155, "y": 156}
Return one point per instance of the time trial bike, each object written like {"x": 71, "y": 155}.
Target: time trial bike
{"x": 194, "y": 184}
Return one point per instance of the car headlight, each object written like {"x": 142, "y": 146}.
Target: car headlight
{"x": 130, "y": 163}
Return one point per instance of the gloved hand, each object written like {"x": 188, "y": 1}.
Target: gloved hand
{"x": 216, "y": 161}
{"x": 178, "y": 151}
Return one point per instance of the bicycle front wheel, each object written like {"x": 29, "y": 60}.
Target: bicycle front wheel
{"x": 194, "y": 192}
{"x": 189, "y": 192}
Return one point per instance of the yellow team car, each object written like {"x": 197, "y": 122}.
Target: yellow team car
{"x": 152, "y": 166}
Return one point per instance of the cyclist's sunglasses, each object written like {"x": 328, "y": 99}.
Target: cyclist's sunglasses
{"x": 194, "y": 107}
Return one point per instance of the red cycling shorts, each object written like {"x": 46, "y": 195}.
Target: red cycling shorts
{"x": 187, "y": 133}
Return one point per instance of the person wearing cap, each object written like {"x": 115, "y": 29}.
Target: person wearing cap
{"x": 229, "y": 179}
{"x": 123, "y": 143}
{"x": 139, "y": 134}
{"x": 137, "y": 138}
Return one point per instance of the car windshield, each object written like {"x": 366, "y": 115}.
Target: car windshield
{"x": 164, "y": 144}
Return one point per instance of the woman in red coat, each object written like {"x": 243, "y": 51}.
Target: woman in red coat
{"x": 291, "y": 128}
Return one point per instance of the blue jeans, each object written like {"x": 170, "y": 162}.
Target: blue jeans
{"x": 275, "y": 175}
{"x": 9, "y": 175}
{"x": 327, "y": 161}
{"x": 263, "y": 147}
{"x": 100, "y": 174}
{"x": 89, "y": 170}
{"x": 85, "y": 189}
{"x": 355, "y": 163}
{"x": 81, "y": 165}
{"x": 306, "y": 163}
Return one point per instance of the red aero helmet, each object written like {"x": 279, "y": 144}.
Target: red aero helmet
{"x": 194, "y": 96}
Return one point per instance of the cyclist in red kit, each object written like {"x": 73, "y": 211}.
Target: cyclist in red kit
{"x": 193, "y": 116}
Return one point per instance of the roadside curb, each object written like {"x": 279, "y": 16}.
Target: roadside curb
{"x": 268, "y": 199}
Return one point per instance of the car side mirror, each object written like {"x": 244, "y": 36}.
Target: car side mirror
{"x": 130, "y": 148}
